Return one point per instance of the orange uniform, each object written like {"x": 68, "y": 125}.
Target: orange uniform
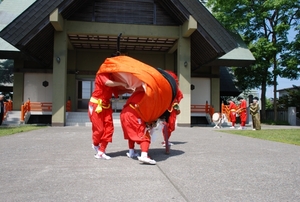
{"x": 100, "y": 112}
{"x": 174, "y": 108}
{"x": 154, "y": 92}
{"x": 243, "y": 112}
{"x": 232, "y": 113}
{"x": 134, "y": 128}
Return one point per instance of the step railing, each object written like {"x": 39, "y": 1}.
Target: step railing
{"x": 8, "y": 106}
{"x": 225, "y": 110}
{"x": 29, "y": 106}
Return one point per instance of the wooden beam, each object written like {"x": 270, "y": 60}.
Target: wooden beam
{"x": 56, "y": 20}
{"x": 173, "y": 48}
{"x": 189, "y": 27}
{"x": 123, "y": 43}
{"x": 114, "y": 29}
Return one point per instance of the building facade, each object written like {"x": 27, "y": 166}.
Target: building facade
{"x": 63, "y": 43}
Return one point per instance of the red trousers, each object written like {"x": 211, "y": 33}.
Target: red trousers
{"x": 171, "y": 123}
{"x": 232, "y": 116}
{"x": 134, "y": 128}
{"x": 243, "y": 116}
{"x": 102, "y": 124}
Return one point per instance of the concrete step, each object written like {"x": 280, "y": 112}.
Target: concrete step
{"x": 82, "y": 119}
{"x": 72, "y": 119}
{"x": 13, "y": 118}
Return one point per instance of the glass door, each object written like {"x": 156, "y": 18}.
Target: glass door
{"x": 84, "y": 92}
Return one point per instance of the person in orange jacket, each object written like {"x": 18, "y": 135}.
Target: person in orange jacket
{"x": 100, "y": 113}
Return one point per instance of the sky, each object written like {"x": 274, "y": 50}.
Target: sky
{"x": 282, "y": 84}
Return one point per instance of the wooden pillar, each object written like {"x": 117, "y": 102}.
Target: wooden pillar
{"x": 18, "y": 88}
{"x": 215, "y": 89}
{"x": 184, "y": 75}
{"x": 59, "y": 98}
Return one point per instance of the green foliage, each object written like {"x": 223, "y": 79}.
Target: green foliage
{"x": 289, "y": 136}
{"x": 4, "y": 131}
{"x": 6, "y": 71}
{"x": 272, "y": 122}
{"x": 290, "y": 58}
{"x": 269, "y": 104}
{"x": 264, "y": 26}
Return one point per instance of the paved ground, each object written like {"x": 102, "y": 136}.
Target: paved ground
{"x": 57, "y": 164}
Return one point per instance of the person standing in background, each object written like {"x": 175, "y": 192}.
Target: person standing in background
{"x": 242, "y": 111}
{"x": 254, "y": 111}
{"x": 232, "y": 113}
{"x": 1, "y": 108}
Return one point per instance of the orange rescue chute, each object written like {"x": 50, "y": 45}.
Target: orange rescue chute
{"x": 158, "y": 87}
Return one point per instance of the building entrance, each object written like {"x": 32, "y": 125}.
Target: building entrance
{"x": 84, "y": 92}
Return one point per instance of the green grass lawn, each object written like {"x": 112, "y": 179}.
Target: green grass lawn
{"x": 9, "y": 130}
{"x": 289, "y": 136}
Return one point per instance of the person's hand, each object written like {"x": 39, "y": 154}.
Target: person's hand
{"x": 126, "y": 86}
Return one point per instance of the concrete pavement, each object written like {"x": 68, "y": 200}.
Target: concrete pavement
{"x": 57, "y": 164}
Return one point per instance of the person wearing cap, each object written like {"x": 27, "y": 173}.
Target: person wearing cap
{"x": 242, "y": 111}
{"x": 254, "y": 112}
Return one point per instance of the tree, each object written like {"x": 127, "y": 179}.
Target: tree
{"x": 6, "y": 71}
{"x": 264, "y": 26}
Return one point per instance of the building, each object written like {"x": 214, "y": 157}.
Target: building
{"x": 284, "y": 91}
{"x": 63, "y": 43}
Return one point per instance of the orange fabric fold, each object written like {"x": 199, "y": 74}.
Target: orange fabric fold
{"x": 158, "y": 92}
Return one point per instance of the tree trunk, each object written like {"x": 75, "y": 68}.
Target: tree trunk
{"x": 263, "y": 101}
{"x": 275, "y": 88}
{"x": 263, "y": 93}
